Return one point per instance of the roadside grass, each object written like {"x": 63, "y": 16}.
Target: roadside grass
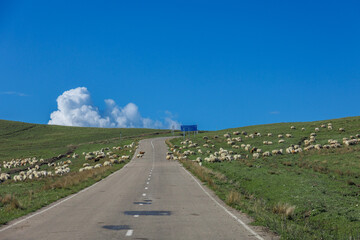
{"x": 31, "y": 195}
{"x": 311, "y": 195}
{"x": 23, "y": 140}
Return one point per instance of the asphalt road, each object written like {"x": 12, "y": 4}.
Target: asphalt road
{"x": 150, "y": 198}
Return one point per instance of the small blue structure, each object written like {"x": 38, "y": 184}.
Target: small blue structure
{"x": 189, "y": 128}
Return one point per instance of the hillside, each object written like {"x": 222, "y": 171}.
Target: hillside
{"x": 20, "y": 140}
{"x": 304, "y": 185}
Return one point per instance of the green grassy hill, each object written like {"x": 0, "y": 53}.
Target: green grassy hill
{"x": 311, "y": 194}
{"x": 56, "y": 145}
{"x": 20, "y": 140}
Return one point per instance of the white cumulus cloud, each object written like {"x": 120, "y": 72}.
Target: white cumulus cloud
{"x": 75, "y": 108}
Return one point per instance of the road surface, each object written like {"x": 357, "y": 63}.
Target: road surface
{"x": 150, "y": 198}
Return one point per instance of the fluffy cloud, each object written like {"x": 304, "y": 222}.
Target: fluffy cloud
{"x": 75, "y": 108}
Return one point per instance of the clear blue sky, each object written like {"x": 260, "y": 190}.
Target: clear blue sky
{"x": 219, "y": 64}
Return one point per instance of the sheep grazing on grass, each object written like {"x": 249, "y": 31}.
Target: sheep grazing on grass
{"x": 330, "y": 127}
{"x": 281, "y": 141}
{"x": 227, "y": 135}
{"x": 265, "y": 142}
{"x": 236, "y": 133}
{"x": 302, "y": 129}
{"x": 4, "y": 177}
{"x": 277, "y": 151}
{"x": 288, "y": 135}
{"x": 280, "y": 136}
{"x": 293, "y": 149}
{"x": 350, "y": 142}
{"x": 266, "y": 154}
{"x": 292, "y": 127}
{"x": 317, "y": 129}
{"x": 236, "y": 146}
{"x": 269, "y": 134}
{"x": 256, "y": 155}
{"x": 258, "y": 134}
{"x": 107, "y": 163}
{"x": 323, "y": 126}
{"x": 99, "y": 165}
{"x": 205, "y": 138}
{"x": 341, "y": 129}
{"x": 244, "y": 133}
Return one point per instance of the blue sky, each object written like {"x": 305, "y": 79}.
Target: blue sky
{"x": 218, "y": 64}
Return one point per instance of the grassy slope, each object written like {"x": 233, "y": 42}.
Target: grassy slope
{"x": 322, "y": 185}
{"x": 21, "y": 140}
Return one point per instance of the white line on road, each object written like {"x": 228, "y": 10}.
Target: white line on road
{"x": 146, "y": 188}
{"x": 129, "y": 233}
{"x": 147, "y": 182}
{"x": 136, "y": 215}
{"x": 144, "y": 194}
{"x": 227, "y": 211}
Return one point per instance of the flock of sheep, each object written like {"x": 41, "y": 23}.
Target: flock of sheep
{"x": 62, "y": 167}
{"x": 189, "y": 147}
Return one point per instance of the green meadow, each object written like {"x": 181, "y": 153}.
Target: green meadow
{"x": 308, "y": 195}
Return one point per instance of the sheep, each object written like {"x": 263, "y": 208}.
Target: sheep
{"x": 269, "y": 134}
{"x": 265, "y": 142}
{"x": 258, "y": 134}
{"x": 114, "y": 161}
{"x": 341, "y": 129}
{"x": 280, "y": 136}
{"x": 323, "y": 126}
{"x": 256, "y": 155}
{"x": 330, "y": 127}
{"x": 266, "y": 154}
{"x": 237, "y": 157}
{"x": 227, "y": 135}
{"x": 292, "y": 127}
{"x": 244, "y": 133}
{"x": 236, "y": 133}
{"x": 277, "y": 152}
{"x": 288, "y": 135}
{"x": 350, "y": 142}
{"x": 269, "y": 143}
{"x": 303, "y": 129}
{"x": 99, "y": 165}
{"x": 107, "y": 163}
{"x": 281, "y": 141}
{"x": 317, "y": 129}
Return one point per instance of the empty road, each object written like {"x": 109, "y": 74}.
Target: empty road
{"x": 150, "y": 198}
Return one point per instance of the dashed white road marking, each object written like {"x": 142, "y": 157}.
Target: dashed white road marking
{"x": 146, "y": 188}
{"x": 148, "y": 179}
{"x": 129, "y": 233}
{"x": 147, "y": 182}
{"x": 144, "y": 194}
{"x": 136, "y": 215}
{"x": 141, "y": 204}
